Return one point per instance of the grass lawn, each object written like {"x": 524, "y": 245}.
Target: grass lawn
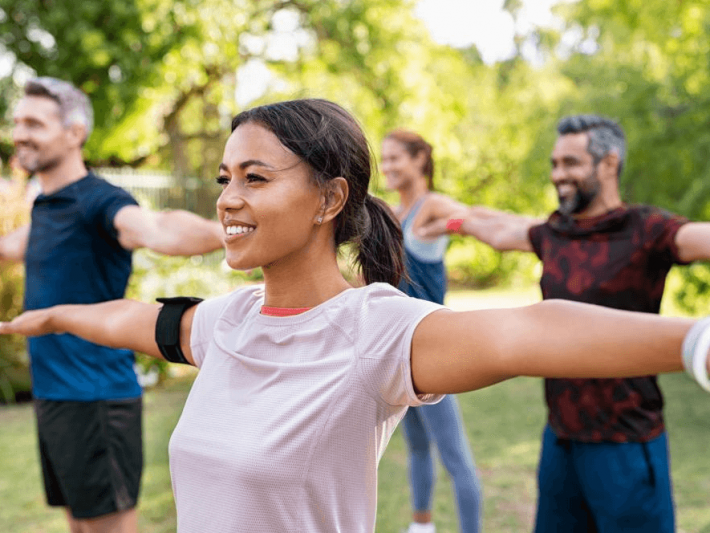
{"x": 503, "y": 424}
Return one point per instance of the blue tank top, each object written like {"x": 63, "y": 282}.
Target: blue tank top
{"x": 73, "y": 257}
{"x": 425, "y": 263}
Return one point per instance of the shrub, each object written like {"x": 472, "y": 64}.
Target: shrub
{"x": 14, "y": 362}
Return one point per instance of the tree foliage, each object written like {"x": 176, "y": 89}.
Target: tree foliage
{"x": 167, "y": 76}
{"x": 112, "y": 50}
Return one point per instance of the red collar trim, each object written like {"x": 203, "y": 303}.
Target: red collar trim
{"x": 283, "y": 311}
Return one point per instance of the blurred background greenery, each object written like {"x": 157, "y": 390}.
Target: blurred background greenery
{"x": 166, "y": 76}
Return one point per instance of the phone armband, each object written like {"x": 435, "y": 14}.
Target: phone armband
{"x": 167, "y": 327}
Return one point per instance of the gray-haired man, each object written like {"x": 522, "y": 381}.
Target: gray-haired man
{"x": 604, "y": 461}
{"x": 77, "y": 250}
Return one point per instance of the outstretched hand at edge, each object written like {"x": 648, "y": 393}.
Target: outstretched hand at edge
{"x": 31, "y": 324}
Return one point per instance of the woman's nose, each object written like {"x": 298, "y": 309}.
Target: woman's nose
{"x": 230, "y": 198}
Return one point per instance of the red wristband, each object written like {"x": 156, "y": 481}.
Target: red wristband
{"x": 453, "y": 225}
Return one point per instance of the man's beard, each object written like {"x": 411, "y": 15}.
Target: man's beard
{"x": 585, "y": 192}
{"x": 36, "y": 163}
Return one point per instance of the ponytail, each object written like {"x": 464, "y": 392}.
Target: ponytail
{"x": 380, "y": 250}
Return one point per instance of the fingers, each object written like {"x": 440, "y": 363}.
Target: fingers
{"x": 29, "y": 324}
{"x": 11, "y": 328}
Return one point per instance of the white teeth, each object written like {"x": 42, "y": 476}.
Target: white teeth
{"x": 237, "y": 230}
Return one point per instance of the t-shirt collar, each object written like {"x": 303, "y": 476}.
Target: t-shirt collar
{"x": 609, "y": 221}
{"x": 68, "y": 187}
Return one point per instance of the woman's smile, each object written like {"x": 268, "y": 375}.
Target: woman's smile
{"x": 235, "y": 231}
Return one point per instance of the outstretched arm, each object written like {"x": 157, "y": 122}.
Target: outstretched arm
{"x": 456, "y": 352}
{"x": 503, "y": 231}
{"x": 167, "y": 232}
{"x": 117, "y": 324}
{"x": 693, "y": 241}
{"x": 14, "y": 244}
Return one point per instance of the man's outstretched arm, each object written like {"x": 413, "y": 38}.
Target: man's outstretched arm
{"x": 503, "y": 231}
{"x": 167, "y": 232}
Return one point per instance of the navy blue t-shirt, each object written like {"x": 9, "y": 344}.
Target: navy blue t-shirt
{"x": 73, "y": 257}
{"x": 425, "y": 263}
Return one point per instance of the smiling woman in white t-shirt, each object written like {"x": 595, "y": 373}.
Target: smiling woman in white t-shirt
{"x": 302, "y": 380}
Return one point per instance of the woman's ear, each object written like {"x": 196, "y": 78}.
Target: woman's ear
{"x": 335, "y": 194}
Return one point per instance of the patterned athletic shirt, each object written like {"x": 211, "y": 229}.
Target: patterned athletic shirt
{"x": 617, "y": 260}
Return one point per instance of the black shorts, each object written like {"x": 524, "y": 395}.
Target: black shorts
{"x": 91, "y": 453}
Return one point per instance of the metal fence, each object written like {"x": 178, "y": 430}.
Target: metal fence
{"x": 162, "y": 191}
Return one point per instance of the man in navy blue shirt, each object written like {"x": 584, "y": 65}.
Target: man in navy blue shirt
{"x": 77, "y": 250}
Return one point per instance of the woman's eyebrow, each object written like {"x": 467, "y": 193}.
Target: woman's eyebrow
{"x": 254, "y": 162}
{"x": 246, "y": 164}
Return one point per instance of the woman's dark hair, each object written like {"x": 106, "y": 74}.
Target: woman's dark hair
{"x": 331, "y": 142}
{"x": 414, "y": 144}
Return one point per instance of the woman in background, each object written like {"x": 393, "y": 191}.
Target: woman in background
{"x": 408, "y": 167}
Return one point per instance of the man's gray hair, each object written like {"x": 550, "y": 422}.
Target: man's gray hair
{"x": 74, "y": 105}
{"x": 604, "y": 134}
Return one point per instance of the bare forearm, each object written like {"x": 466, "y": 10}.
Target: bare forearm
{"x": 693, "y": 241}
{"x": 117, "y": 324}
{"x": 168, "y": 232}
{"x": 567, "y": 339}
{"x": 184, "y": 233}
{"x": 500, "y": 230}
{"x": 484, "y": 227}
{"x": 467, "y": 351}
{"x": 14, "y": 244}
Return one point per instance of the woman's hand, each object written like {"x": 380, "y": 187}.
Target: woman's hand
{"x": 32, "y": 323}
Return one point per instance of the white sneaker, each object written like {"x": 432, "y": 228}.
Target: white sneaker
{"x": 416, "y": 527}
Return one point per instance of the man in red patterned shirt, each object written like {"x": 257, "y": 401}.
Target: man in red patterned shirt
{"x": 604, "y": 460}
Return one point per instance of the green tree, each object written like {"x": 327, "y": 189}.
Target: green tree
{"x": 305, "y": 47}
{"x": 109, "y": 49}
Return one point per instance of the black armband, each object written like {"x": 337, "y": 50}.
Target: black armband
{"x": 167, "y": 327}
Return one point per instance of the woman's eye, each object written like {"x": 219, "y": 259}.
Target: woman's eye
{"x": 255, "y": 178}
{"x": 222, "y": 180}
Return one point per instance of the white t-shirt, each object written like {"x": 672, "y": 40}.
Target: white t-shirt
{"x": 289, "y": 416}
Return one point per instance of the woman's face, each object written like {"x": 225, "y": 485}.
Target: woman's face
{"x": 400, "y": 168}
{"x": 269, "y": 204}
